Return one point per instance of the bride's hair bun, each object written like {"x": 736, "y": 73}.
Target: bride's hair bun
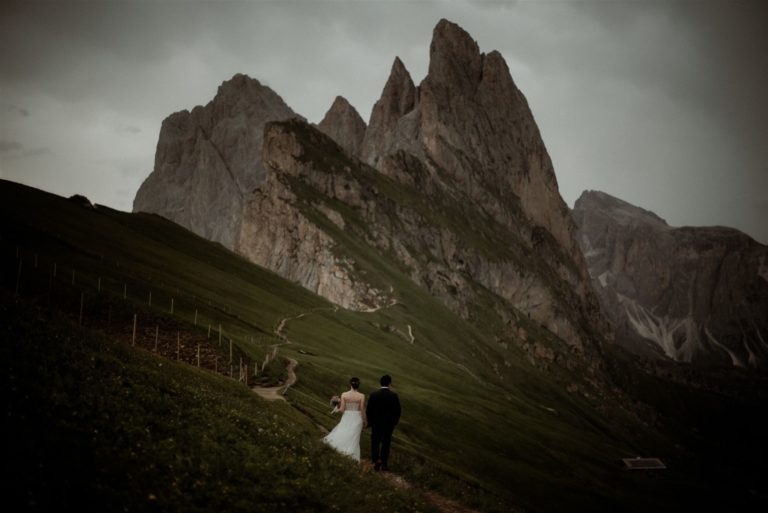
{"x": 355, "y": 382}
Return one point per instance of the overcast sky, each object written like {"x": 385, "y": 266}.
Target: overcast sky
{"x": 662, "y": 103}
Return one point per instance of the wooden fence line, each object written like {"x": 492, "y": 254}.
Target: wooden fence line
{"x": 242, "y": 368}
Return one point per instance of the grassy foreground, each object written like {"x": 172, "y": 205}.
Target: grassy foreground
{"x": 94, "y": 423}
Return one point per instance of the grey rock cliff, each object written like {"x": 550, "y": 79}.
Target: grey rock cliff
{"x": 390, "y": 127}
{"x": 208, "y": 160}
{"x": 344, "y": 125}
{"x": 691, "y": 294}
{"x": 466, "y": 131}
{"x": 276, "y": 233}
{"x": 462, "y": 197}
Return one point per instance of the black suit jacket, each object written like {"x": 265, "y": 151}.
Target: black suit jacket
{"x": 383, "y": 409}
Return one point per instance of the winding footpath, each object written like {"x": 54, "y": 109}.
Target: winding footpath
{"x": 277, "y": 393}
{"x": 444, "y": 504}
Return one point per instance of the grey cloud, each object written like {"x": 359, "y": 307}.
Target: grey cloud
{"x": 35, "y": 152}
{"x": 9, "y": 146}
{"x": 128, "y": 129}
{"x": 15, "y": 150}
{"x": 17, "y": 110}
{"x": 708, "y": 55}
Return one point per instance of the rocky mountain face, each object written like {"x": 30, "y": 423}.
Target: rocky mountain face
{"x": 209, "y": 160}
{"x": 344, "y": 125}
{"x": 691, "y": 294}
{"x": 467, "y": 132}
{"x": 450, "y": 183}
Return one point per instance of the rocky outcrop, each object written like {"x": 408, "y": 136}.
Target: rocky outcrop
{"x": 467, "y": 132}
{"x": 462, "y": 197}
{"x": 390, "y": 127}
{"x": 278, "y": 234}
{"x": 468, "y": 121}
{"x": 691, "y": 294}
{"x": 209, "y": 160}
{"x": 344, "y": 125}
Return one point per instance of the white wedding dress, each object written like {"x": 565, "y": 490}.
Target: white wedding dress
{"x": 345, "y": 437}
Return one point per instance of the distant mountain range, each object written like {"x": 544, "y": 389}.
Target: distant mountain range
{"x": 450, "y": 182}
{"x": 695, "y": 295}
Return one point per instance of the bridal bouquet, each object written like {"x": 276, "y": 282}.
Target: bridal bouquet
{"x": 335, "y": 402}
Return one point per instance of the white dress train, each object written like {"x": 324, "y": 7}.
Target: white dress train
{"x": 345, "y": 437}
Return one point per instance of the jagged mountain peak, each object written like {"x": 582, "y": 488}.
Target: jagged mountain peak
{"x": 209, "y": 159}
{"x": 238, "y": 83}
{"x": 243, "y": 96}
{"x": 341, "y": 104}
{"x": 463, "y": 197}
{"x": 598, "y": 202}
{"x": 454, "y": 57}
{"x": 398, "y": 69}
{"x": 344, "y": 125}
{"x": 398, "y": 99}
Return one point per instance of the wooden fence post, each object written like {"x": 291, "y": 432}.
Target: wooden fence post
{"x": 125, "y": 290}
{"x": 246, "y": 374}
{"x": 150, "y": 298}
{"x": 209, "y": 330}
{"x": 220, "y": 338}
{"x": 198, "y": 355}
{"x": 98, "y": 287}
{"x": 171, "y": 306}
{"x": 18, "y": 277}
{"x": 133, "y": 338}
{"x": 157, "y": 333}
{"x": 82, "y": 300}
{"x": 55, "y": 265}
{"x": 216, "y": 364}
{"x": 178, "y": 345}
{"x": 195, "y": 316}
{"x": 230, "y": 350}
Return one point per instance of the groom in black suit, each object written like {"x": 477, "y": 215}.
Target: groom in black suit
{"x": 383, "y": 413}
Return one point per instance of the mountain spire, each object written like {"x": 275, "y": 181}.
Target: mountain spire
{"x": 344, "y": 125}
{"x": 398, "y": 98}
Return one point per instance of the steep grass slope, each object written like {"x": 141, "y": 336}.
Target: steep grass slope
{"x": 480, "y": 424}
{"x": 94, "y": 423}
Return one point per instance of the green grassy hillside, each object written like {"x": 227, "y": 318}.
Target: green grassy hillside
{"x": 480, "y": 424}
{"x": 94, "y": 421}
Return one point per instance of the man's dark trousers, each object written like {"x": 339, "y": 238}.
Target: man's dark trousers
{"x": 381, "y": 439}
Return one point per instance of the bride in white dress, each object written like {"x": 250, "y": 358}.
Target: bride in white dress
{"x": 345, "y": 437}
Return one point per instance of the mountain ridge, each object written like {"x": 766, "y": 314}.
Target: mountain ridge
{"x": 464, "y": 141}
{"x": 198, "y": 180}
{"x": 692, "y": 294}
